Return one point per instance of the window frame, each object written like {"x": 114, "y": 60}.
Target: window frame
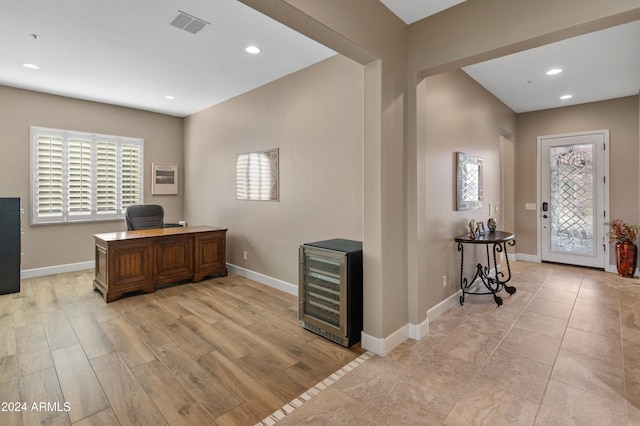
{"x": 92, "y": 213}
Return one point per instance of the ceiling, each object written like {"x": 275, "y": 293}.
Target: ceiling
{"x": 128, "y": 53}
{"x": 411, "y": 11}
{"x": 596, "y": 66}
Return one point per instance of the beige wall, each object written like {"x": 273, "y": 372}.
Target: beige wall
{"x": 456, "y": 114}
{"x": 53, "y": 245}
{"x": 315, "y": 118}
{"x": 368, "y": 33}
{"x": 620, "y": 116}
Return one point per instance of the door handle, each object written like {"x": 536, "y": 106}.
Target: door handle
{"x": 545, "y": 207}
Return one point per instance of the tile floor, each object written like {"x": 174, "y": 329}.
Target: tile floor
{"x": 564, "y": 350}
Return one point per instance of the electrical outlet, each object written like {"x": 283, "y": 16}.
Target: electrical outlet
{"x": 444, "y": 281}
{"x": 244, "y": 255}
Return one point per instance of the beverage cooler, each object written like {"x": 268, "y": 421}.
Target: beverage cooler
{"x": 330, "y": 289}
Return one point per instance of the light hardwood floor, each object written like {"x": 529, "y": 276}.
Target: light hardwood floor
{"x": 226, "y": 351}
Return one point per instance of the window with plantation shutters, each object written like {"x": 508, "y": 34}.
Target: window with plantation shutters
{"x": 79, "y": 176}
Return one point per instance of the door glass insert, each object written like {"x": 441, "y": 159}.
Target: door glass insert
{"x": 322, "y": 292}
{"x": 572, "y": 199}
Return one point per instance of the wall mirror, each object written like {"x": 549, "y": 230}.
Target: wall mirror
{"x": 469, "y": 182}
{"x": 257, "y": 176}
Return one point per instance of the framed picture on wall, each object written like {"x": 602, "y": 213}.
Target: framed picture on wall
{"x": 164, "y": 179}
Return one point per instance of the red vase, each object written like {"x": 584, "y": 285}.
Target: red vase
{"x": 626, "y": 254}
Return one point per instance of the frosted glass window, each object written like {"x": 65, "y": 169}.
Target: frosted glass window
{"x": 257, "y": 176}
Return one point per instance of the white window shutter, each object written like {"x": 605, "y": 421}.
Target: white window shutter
{"x": 130, "y": 172}
{"x": 106, "y": 177}
{"x": 49, "y": 182}
{"x": 79, "y": 181}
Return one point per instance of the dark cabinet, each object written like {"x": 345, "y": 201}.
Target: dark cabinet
{"x": 10, "y": 230}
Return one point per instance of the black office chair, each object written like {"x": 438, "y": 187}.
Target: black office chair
{"x": 144, "y": 216}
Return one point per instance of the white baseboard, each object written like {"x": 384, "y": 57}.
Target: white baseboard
{"x": 418, "y": 331}
{"x": 383, "y": 346}
{"x": 528, "y": 257}
{"x": 57, "y": 269}
{"x": 81, "y": 266}
{"x": 264, "y": 279}
{"x": 444, "y": 306}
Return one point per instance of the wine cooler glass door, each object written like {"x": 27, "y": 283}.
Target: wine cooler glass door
{"x": 323, "y": 277}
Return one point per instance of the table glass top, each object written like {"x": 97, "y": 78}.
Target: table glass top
{"x": 486, "y": 237}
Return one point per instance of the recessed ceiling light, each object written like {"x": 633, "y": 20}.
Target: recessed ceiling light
{"x": 253, "y": 50}
{"x": 31, "y": 66}
{"x": 563, "y": 97}
{"x": 554, "y": 71}
{"x": 170, "y": 97}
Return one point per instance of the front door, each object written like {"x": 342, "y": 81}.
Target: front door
{"x": 573, "y": 190}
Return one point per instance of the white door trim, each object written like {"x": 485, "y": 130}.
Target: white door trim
{"x": 607, "y": 143}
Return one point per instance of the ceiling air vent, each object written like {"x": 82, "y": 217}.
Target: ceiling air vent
{"x": 188, "y": 22}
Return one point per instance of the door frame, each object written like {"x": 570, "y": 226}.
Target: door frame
{"x": 607, "y": 148}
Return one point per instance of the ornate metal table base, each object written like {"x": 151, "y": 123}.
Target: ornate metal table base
{"x": 492, "y": 279}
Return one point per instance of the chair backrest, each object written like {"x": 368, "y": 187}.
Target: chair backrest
{"x": 144, "y": 216}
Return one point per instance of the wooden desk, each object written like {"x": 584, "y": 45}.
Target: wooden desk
{"x": 141, "y": 260}
{"x": 492, "y": 278}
